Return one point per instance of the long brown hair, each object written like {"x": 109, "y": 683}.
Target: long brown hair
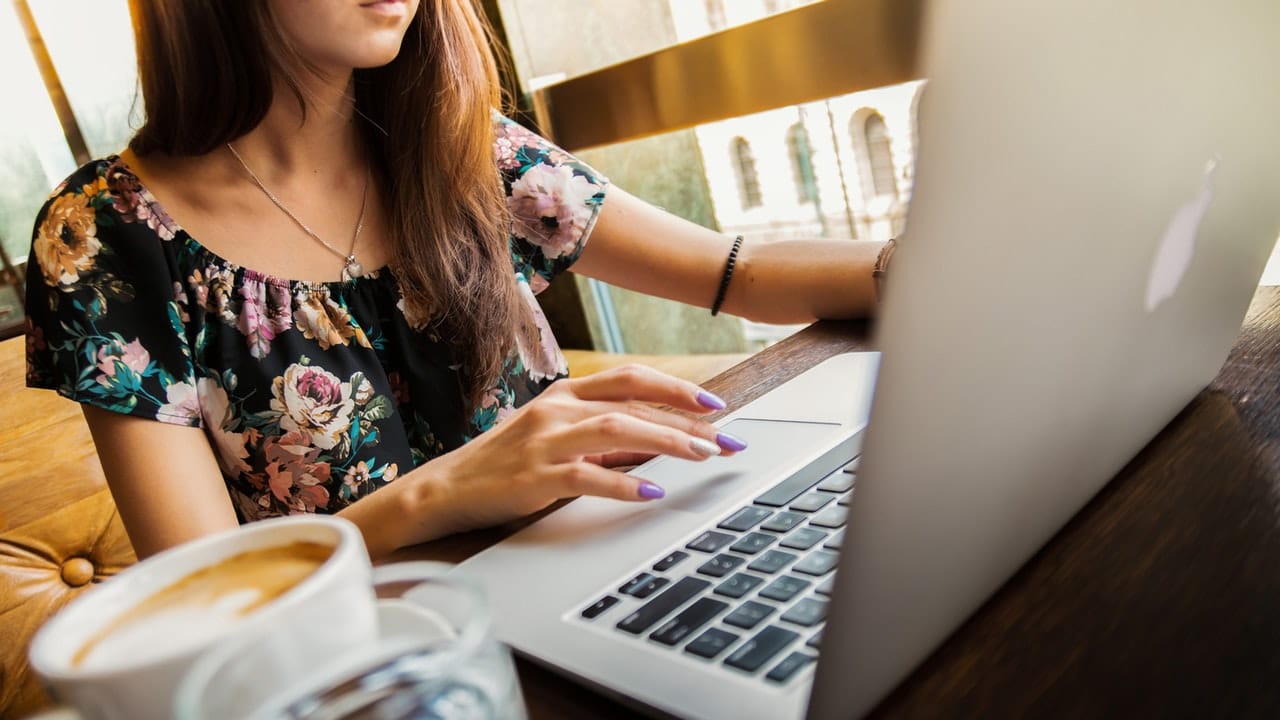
{"x": 206, "y": 70}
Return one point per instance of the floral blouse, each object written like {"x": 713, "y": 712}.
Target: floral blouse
{"x": 312, "y": 394}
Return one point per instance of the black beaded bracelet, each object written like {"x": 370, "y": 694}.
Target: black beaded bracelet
{"x": 728, "y": 275}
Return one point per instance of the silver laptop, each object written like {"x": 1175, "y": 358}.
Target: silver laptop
{"x": 1097, "y": 193}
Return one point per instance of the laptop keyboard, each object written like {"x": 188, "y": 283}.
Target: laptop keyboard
{"x": 749, "y": 593}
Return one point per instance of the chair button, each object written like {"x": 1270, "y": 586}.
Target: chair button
{"x": 77, "y": 571}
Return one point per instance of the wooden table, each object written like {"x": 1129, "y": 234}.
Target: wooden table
{"x": 1161, "y": 598}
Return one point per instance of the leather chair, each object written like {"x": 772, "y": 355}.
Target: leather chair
{"x": 59, "y": 529}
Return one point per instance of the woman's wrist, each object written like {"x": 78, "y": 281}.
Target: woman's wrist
{"x": 408, "y": 511}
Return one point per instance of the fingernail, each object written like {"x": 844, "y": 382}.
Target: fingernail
{"x": 704, "y": 447}
{"x": 729, "y": 442}
{"x": 649, "y": 491}
{"x": 710, "y": 401}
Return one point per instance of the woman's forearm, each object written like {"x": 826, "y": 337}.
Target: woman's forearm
{"x": 408, "y": 511}
{"x": 803, "y": 280}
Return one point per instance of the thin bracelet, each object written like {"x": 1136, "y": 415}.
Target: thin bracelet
{"x": 882, "y": 266}
{"x": 728, "y": 275}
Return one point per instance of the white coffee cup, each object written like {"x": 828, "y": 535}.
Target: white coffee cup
{"x": 330, "y": 611}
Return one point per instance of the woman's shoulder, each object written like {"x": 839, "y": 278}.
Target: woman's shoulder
{"x": 89, "y": 217}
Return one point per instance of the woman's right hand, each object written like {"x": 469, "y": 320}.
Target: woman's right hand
{"x": 558, "y": 445}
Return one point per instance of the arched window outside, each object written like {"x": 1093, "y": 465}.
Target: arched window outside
{"x": 748, "y": 180}
{"x": 802, "y": 163}
{"x": 879, "y": 156}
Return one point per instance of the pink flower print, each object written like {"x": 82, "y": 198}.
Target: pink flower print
{"x": 537, "y": 283}
{"x": 535, "y": 342}
{"x": 182, "y": 406}
{"x": 504, "y": 151}
{"x": 313, "y": 402}
{"x": 550, "y": 205}
{"x": 311, "y": 497}
{"x": 229, "y": 446}
{"x": 132, "y": 357}
{"x": 266, "y": 312}
{"x": 294, "y": 476}
{"x": 504, "y": 412}
{"x": 129, "y": 199}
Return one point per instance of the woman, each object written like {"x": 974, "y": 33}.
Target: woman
{"x": 295, "y": 292}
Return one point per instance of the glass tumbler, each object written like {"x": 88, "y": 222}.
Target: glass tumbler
{"x": 435, "y": 658}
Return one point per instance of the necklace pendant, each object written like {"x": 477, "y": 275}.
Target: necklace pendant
{"x": 352, "y": 269}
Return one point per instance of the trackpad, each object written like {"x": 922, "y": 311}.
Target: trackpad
{"x": 773, "y": 446}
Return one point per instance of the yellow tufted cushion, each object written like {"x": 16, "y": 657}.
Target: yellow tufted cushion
{"x": 59, "y": 530}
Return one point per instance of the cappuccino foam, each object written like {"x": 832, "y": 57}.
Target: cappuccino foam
{"x": 203, "y": 605}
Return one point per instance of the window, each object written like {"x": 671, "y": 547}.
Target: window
{"x": 715, "y": 14}
{"x": 879, "y": 157}
{"x": 748, "y": 180}
{"x": 802, "y": 164}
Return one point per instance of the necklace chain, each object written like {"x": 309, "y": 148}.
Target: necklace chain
{"x": 350, "y": 268}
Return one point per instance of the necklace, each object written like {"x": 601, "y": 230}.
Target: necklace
{"x": 350, "y": 267}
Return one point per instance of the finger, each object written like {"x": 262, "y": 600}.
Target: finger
{"x": 620, "y": 459}
{"x": 584, "y": 478}
{"x": 727, "y": 442}
{"x": 615, "y": 432}
{"x": 644, "y": 384}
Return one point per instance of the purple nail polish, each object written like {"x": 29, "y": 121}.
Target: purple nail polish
{"x": 649, "y": 491}
{"x": 708, "y": 400}
{"x": 729, "y": 442}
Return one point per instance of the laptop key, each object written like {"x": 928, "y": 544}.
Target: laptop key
{"x": 748, "y": 614}
{"x": 789, "y": 666}
{"x": 711, "y": 643}
{"x": 752, "y": 543}
{"x": 846, "y": 498}
{"x": 760, "y": 649}
{"x": 670, "y": 561}
{"x": 837, "y": 482}
{"x": 812, "y": 501}
{"x": 598, "y": 607}
{"x": 803, "y": 539}
{"x": 852, "y": 466}
{"x": 833, "y": 517}
{"x": 771, "y": 561}
{"x": 643, "y": 585}
{"x": 689, "y": 621}
{"x": 826, "y": 586}
{"x": 787, "y": 490}
{"x": 651, "y": 612}
{"x": 807, "y": 612}
{"x": 818, "y": 563}
{"x": 783, "y": 521}
{"x": 710, "y": 541}
{"x": 721, "y": 565}
{"x": 745, "y": 519}
{"x": 784, "y": 588}
{"x": 833, "y": 542}
{"x": 816, "y": 640}
{"x": 738, "y": 585}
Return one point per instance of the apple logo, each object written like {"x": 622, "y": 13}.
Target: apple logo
{"x": 1178, "y": 244}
